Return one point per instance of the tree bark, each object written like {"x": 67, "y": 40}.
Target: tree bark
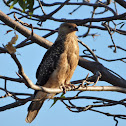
{"x": 89, "y": 65}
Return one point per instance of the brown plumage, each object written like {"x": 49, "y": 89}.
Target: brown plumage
{"x": 56, "y": 67}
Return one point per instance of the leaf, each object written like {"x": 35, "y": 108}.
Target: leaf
{"x": 55, "y": 100}
{"x": 11, "y": 49}
{"x": 12, "y": 5}
{"x": 30, "y": 4}
{"x": 14, "y": 39}
{"x": 22, "y": 4}
{"x": 62, "y": 96}
{"x": 8, "y": 31}
{"x": 30, "y": 13}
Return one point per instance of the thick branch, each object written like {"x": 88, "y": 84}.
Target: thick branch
{"x": 89, "y": 65}
{"x": 21, "y": 102}
{"x": 30, "y": 84}
{"x": 106, "y": 75}
{"x": 24, "y": 31}
{"x": 88, "y": 88}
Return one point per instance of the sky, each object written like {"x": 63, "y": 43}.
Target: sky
{"x": 30, "y": 57}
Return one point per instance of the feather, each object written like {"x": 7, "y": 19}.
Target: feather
{"x": 49, "y": 62}
{"x": 56, "y": 67}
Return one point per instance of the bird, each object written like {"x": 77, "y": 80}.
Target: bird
{"x": 57, "y": 66}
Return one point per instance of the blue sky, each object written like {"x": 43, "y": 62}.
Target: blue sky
{"x": 30, "y": 58}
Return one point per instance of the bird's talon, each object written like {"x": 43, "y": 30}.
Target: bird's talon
{"x": 70, "y": 86}
{"x": 63, "y": 87}
{"x": 64, "y": 90}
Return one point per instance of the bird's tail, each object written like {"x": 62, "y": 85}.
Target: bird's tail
{"x": 35, "y": 106}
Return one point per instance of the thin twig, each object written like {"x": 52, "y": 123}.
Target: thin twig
{"x": 41, "y": 7}
{"x": 95, "y": 58}
{"x": 104, "y": 24}
{"x": 110, "y": 46}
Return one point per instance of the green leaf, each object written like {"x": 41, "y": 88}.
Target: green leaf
{"x": 55, "y": 100}
{"x": 12, "y": 5}
{"x": 62, "y": 96}
{"x": 30, "y": 13}
{"x": 22, "y": 4}
{"x": 30, "y": 4}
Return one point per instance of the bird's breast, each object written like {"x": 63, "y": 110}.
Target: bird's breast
{"x": 71, "y": 47}
{"x": 66, "y": 64}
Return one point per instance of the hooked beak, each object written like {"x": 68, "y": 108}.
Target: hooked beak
{"x": 75, "y": 29}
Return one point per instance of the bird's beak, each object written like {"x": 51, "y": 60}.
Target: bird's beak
{"x": 75, "y": 29}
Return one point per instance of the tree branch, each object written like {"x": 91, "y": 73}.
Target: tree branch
{"x": 12, "y": 79}
{"x": 122, "y": 3}
{"x": 80, "y": 22}
{"x": 24, "y": 31}
{"x": 15, "y": 104}
{"x": 89, "y": 65}
{"x": 106, "y": 75}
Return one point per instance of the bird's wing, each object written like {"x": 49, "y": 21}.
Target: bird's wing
{"x": 49, "y": 62}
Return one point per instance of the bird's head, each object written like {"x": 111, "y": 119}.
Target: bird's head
{"x": 67, "y": 28}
